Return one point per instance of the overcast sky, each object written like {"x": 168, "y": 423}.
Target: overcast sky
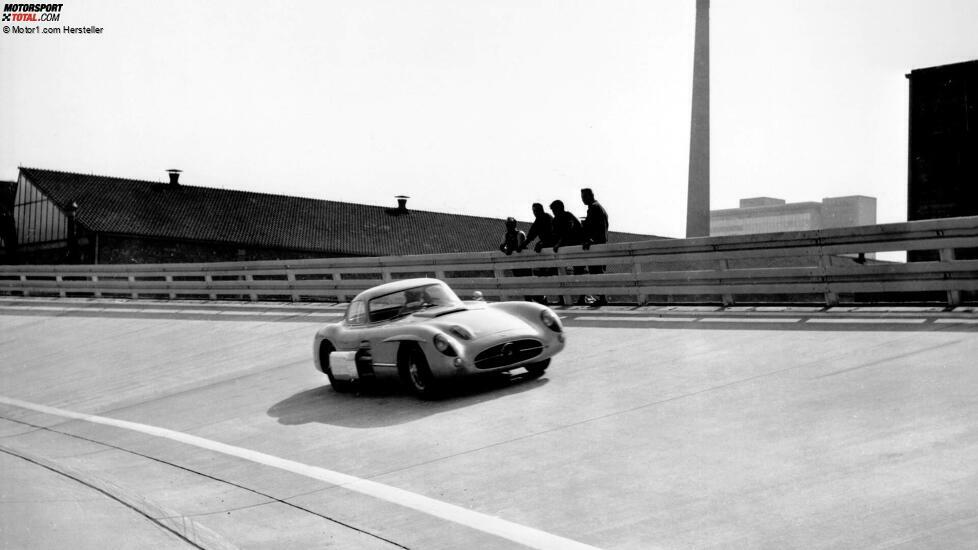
{"x": 481, "y": 107}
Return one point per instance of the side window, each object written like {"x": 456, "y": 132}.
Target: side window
{"x": 357, "y": 314}
{"x": 386, "y": 307}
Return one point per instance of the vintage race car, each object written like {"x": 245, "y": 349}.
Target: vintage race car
{"x": 419, "y": 331}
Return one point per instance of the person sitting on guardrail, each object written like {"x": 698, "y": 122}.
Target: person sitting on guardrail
{"x": 513, "y": 238}
{"x": 595, "y": 227}
{"x": 513, "y": 241}
{"x": 567, "y": 228}
{"x": 568, "y": 232}
{"x": 543, "y": 230}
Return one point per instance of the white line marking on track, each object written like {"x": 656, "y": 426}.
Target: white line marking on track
{"x": 148, "y": 310}
{"x": 41, "y": 308}
{"x": 750, "y": 320}
{"x": 880, "y": 321}
{"x": 636, "y": 319}
{"x": 527, "y": 536}
{"x": 639, "y": 313}
{"x": 964, "y": 321}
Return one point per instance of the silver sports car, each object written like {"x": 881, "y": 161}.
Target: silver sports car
{"x": 419, "y": 331}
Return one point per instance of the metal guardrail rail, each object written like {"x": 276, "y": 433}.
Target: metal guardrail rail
{"x": 820, "y": 266}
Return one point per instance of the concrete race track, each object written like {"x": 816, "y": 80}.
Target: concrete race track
{"x": 198, "y": 425}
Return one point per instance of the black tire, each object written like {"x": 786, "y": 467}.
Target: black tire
{"x": 340, "y": 386}
{"x": 416, "y": 373}
{"x": 537, "y": 369}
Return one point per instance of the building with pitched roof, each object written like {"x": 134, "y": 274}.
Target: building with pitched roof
{"x": 65, "y": 217}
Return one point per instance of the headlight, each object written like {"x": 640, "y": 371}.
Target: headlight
{"x": 442, "y": 345}
{"x": 550, "y": 320}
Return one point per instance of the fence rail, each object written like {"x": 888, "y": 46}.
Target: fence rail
{"x": 829, "y": 266}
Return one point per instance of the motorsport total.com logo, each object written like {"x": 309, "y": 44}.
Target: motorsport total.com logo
{"x": 31, "y": 13}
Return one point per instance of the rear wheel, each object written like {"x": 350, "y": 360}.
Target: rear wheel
{"x": 537, "y": 369}
{"x": 341, "y": 386}
{"x": 417, "y": 374}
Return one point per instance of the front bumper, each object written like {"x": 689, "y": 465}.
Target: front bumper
{"x": 500, "y": 354}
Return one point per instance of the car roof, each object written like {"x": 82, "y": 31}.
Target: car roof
{"x": 396, "y": 286}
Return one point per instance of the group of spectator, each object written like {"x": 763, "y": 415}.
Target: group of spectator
{"x": 561, "y": 229}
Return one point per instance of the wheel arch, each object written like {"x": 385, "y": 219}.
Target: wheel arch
{"x": 404, "y": 345}
{"x": 318, "y": 348}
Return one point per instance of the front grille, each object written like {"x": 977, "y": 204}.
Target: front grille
{"x": 508, "y": 353}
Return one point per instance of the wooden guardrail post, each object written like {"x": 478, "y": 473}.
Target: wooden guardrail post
{"x": 953, "y": 296}
{"x": 568, "y": 299}
{"x": 61, "y": 290}
{"x": 340, "y": 296}
{"x": 209, "y": 282}
{"x": 23, "y": 284}
{"x": 290, "y": 276}
{"x": 132, "y": 287}
{"x": 726, "y": 298}
{"x": 500, "y": 274}
{"x": 98, "y": 290}
{"x": 824, "y": 263}
{"x": 249, "y": 280}
{"x": 169, "y": 286}
{"x": 640, "y": 296}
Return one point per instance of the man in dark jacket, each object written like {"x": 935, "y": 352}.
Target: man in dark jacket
{"x": 567, "y": 228}
{"x": 595, "y": 228}
{"x": 596, "y": 223}
{"x": 567, "y": 232}
{"x": 542, "y": 228}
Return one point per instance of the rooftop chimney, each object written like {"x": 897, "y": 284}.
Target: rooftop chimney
{"x": 174, "y": 176}
{"x": 402, "y": 203}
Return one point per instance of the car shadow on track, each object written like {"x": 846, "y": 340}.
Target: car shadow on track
{"x": 389, "y": 403}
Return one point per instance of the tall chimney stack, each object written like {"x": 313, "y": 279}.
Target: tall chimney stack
{"x": 174, "y": 176}
{"x": 698, "y": 196}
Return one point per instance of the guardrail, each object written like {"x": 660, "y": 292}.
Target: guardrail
{"x": 822, "y": 266}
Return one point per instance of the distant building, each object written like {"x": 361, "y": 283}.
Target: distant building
{"x": 64, "y": 217}
{"x": 943, "y": 146}
{"x": 770, "y": 215}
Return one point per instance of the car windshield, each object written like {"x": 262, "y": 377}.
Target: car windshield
{"x": 411, "y": 300}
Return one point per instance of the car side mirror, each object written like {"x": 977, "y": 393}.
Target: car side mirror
{"x": 477, "y": 295}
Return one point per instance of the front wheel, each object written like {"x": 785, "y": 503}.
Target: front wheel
{"x": 418, "y": 375}
{"x": 537, "y": 369}
{"x": 340, "y": 386}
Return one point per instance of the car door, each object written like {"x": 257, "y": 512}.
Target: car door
{"x": 348, "y": 338}
{"x": 356, "y": 337}
{"x": 385, "y": 321}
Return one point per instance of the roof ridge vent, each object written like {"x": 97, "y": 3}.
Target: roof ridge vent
{"x": 402, "y": 203}
{"x": 174, "y": 176}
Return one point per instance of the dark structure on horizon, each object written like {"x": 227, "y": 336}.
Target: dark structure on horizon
{"x": 65, "y": 217}
{"x": 698, "y": 189}
{"x": 943, "y": 146}
{"x": 8, "y": 228}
